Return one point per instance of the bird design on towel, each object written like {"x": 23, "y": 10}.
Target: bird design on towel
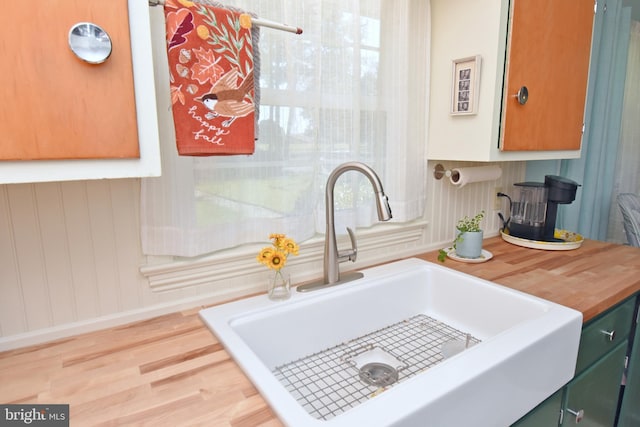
{"x": 227, "y": 99}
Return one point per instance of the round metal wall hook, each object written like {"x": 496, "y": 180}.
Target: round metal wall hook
{"x": 90, "y": 42}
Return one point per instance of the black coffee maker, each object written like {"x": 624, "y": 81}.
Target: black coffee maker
{"x": 534, "y": 206}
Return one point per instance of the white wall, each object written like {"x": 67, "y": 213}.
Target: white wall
{"x": 70, "y": 254}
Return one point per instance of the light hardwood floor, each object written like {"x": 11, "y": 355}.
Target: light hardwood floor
{"x": 167, "y": 371}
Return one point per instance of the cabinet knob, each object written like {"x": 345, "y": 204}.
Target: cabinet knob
{"x": 610, "y": 334}
{"x": 522, "y": 95}
{"x": 89, "y": 42}
{"x": 579, "y": 414}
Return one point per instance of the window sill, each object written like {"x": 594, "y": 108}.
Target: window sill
{"x": 235, "y": 272}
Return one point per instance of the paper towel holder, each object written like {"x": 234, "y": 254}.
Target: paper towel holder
{"x": 455, "y": 175}
{"x": 440, "y": 172}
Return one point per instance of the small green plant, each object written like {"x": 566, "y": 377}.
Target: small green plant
{"x": 465, "y": 224}
{"x": 470, "y": 224}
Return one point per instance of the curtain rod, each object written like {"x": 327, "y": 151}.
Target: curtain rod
{"x": 255, "y": 21}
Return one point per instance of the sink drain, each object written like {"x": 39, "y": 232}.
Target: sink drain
{"x": 378, "y": 374}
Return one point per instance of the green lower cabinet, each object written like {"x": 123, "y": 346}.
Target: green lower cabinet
{"x": 595, "y": 340}
{"x": 546, "y": 414}
{"x": 630, "y": 410}
{"x": 592, "y": 397}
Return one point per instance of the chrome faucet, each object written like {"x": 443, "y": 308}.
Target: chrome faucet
{"x": 333, "y": 257}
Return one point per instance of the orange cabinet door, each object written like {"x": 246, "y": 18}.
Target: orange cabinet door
{"x": 548, "y": 52}
{"x": 55, "y": 106}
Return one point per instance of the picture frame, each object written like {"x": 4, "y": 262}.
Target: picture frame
{"x": 465, "y": 89}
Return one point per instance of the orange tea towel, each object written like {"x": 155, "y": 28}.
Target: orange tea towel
{"x": 211, "y": 65}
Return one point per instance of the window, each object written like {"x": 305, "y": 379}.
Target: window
{"x": 352, "y": 87}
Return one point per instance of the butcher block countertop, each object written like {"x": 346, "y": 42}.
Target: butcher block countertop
{"x": 171, "y": 371}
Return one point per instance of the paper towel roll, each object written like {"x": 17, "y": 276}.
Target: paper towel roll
{"x": 463, "y": 176}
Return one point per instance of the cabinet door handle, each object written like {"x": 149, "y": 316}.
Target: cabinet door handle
{"x": 90, "y": 43}
{"x": 610, "y": 334}
{"x": 523, "y": 95}
{"x": 579, "y": 414}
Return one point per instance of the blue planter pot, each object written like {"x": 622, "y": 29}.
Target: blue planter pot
{"x": 469, "y": 244}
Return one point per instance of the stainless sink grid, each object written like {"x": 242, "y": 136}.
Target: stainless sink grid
{"x": 327, "y": 383}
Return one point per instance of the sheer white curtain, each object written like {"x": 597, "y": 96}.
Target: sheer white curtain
{"x": 627, "y": 172}
{"x": 353, "y": 86}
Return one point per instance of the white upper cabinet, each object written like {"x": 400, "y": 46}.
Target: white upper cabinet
{"x": 539, "y": 49}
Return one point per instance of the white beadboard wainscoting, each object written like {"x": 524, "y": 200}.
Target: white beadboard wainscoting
{"x": 71, "y": 260}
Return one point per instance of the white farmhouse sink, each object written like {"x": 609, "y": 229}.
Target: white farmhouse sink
{"x": 522, "y": 349}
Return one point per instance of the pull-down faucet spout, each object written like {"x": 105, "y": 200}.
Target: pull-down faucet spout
{"x": 333, "y": 257}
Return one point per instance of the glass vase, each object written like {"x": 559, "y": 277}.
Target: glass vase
{"x": 279, "y": 286}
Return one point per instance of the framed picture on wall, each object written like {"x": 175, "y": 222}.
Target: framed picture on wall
{"x": 466, "y": 85}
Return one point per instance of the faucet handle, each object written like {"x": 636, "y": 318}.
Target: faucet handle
{"x": 354, "y": 245}
{"x": 351, "y": 254}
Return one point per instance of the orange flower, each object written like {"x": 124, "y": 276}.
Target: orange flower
{"x": 290, "y": 246}
{"x": 277, "y": 260}
{"x": 277, "y": 239}
{"x": 276, "y": 257}
{"x": 265, "y": 255}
